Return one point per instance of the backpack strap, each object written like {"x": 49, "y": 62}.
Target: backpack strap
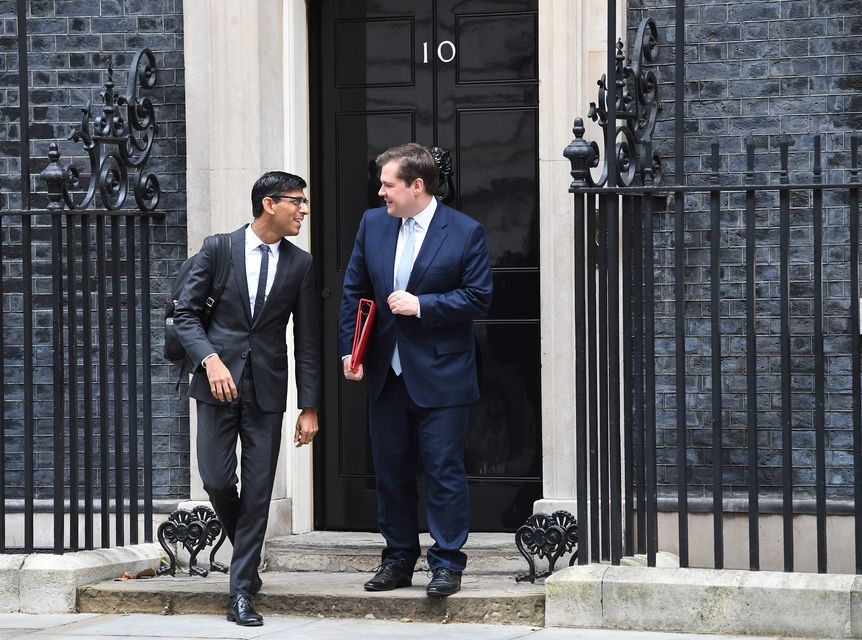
{"x": 220, "y": 276}
{"x": 222, "y": 269}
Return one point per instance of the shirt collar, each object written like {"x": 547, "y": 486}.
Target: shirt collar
{"x": 252, "y": 242}
{"x": 423, "y": 218}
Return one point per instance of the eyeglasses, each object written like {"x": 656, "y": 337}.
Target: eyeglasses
{"x": 297, "y": 200}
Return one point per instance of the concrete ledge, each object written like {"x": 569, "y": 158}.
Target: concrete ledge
{"x": 705, "y": 601}
{"x": 49, "y": 583}
{"x": 10, "y": 566}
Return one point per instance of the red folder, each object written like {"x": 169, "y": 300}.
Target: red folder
{"x": 362, "y": 332}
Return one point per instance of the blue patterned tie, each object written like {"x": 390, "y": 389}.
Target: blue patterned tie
{"x": 402, "y": 277}
{"x": 260, "y": 297}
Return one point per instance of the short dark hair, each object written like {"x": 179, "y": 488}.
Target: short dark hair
{"x": 273, "y": 183}
{"x": 414, "y": 161}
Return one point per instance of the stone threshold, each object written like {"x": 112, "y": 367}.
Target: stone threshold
{"x": 489, "y": 599}
{"x": 350, "y": 551}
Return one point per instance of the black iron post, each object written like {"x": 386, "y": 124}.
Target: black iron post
{"x": 582, "y": 156}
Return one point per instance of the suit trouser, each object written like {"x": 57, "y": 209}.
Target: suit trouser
{"x": 243, "y": 515}
{"x": 403, "y": 435}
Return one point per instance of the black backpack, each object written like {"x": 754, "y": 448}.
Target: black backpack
{"x": 174, "y": 350}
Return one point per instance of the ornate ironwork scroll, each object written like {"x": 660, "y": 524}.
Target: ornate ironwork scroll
{"x": 544, "y": 536}
{"x": 116, "y": 145}
{"x": 195, "y": 530}
{"x": 637, "y": 103}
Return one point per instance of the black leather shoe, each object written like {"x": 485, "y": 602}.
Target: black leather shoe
{"x": 242, "y": 612}
{"x": 444, "y": 583}
{"x": 389, "y": 576}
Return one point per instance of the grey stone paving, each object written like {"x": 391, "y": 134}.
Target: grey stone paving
{"x": 14, "y": 626}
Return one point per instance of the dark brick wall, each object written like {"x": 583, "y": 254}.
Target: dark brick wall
{"x": 70, "y": 44}
{"x": 760, "y": 68}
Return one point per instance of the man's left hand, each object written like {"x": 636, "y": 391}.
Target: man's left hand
{"x": 403, "y": 303}
{"x": 306, "y": 427}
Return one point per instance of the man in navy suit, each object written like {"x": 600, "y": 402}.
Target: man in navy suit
{"x": 241, "y": 368}
{"x": 427, "y": 268}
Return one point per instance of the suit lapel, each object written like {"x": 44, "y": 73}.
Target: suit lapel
{"x": 387, "y": 253}
{"x": 434, "y": 238}
{"x": 285, "y": 258}
{"x": 237, "y": 253}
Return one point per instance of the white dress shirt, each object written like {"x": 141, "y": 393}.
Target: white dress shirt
{"x": 253, "y": 259}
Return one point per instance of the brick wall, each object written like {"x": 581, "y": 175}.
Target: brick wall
{"x": 70, "y": 44}
{"x": 764, "y": 69}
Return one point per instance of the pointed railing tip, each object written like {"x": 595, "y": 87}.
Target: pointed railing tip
{"x": 578, "y": 128}
{"x": 53, "y": 152}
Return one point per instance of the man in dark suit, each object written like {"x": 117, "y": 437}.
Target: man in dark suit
{"x": 240, "y": 382}
{"x": 427, "y": 268}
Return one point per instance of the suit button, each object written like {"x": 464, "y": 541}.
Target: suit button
{"x": 244, "y": 354}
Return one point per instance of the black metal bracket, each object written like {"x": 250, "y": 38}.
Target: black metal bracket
{"x": 115, "y": 146}
{"x": 546, "y": 536}
{"x": 195, "y": 530}
{"x": 637, "y": 103}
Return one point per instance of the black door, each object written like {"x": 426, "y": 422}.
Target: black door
{"x": 462, "y": 75}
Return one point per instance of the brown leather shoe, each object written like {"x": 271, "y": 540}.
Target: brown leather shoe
{"x": 242, "y": 612}
{"x": 389, "y": 576}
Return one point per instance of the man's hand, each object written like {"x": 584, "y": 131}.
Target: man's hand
{"x": 221, "y": 382}
{"x": 349, "y": 374}
{"x": 403, "y": 303}
{"x": 306, "y": 427}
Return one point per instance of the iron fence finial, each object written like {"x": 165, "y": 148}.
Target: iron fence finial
{"x": 55, "y": 178}
{"x": 583, "y": 155}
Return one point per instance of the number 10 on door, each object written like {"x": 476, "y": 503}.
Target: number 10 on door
{"x": 445, "y": 51}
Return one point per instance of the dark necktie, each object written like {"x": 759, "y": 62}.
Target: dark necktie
{"x": 260, "y": 297}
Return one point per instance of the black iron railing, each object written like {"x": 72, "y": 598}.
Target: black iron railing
{"x": 75, "y": 339}
{"x": 631, "y": 289}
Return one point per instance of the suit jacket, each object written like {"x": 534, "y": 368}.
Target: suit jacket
{"x": 452, "y": 279}
{"x": 233, "y": 336}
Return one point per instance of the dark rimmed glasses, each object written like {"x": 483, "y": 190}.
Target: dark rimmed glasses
{"x": 297, "y": 200}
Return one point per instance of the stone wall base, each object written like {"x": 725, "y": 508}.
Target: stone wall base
{"x": 705, "y": 601}
{"x": 48, "y": 583}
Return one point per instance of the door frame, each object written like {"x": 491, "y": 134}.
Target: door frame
{"x": 565, "y": 82}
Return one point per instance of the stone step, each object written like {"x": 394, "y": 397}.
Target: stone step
{"x": 331, "y": 551}
{"x": 490, "y": 599}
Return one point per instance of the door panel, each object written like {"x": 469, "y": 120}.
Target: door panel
{"x": 356, "y": 182}
{"x": 502, "y": 194}
{"x": 388, "y": 53}
{"x": 510, "y": 55}
{"x": 462, "y": 75}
